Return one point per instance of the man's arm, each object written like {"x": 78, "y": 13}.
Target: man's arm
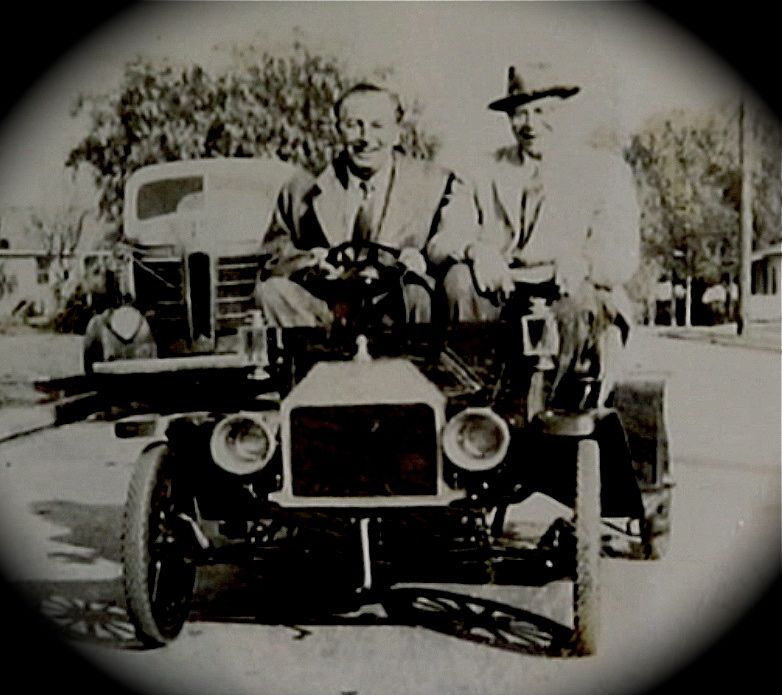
{"x": 460, "y": 239}
{"x": 613, "y": 246}
{"x": 610, "y": 252}
{"x": 280, "y": 240}
{"x": 458, "y": 224}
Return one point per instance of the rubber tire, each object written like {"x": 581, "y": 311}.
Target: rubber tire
{"x": 586, "y": 583}
{"x": 152, "y": 630}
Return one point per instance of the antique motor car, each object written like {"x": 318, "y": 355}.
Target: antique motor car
{"x": 388, "y": 451}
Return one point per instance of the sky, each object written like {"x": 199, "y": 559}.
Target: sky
{"x": 452, "y": 57}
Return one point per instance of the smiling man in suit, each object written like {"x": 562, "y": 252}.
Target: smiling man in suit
{"x": 369, "y": 192}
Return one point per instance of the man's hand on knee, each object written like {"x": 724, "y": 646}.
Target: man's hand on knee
{"x": 490, "y": 270}
{"x": 301, "y": 260}
{"x": 412, "y": 259}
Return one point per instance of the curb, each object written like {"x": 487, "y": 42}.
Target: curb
{"x": 723, "y": 341}
{"x": 40, "y": 417}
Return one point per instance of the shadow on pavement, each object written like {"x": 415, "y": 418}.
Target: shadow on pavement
{"x": 95, "y": 528}
{"x": 89, "y": 610}
{"x": 487, "y": 622}
{"x": 93, "y": 610}
{"x": 84, "y": 611}
{"x": 458, "y": 614}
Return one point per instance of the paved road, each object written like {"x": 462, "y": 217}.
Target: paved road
{"x": 62, "y": 492}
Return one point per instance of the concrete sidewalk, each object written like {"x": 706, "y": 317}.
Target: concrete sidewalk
{"x": 759, "y": 336}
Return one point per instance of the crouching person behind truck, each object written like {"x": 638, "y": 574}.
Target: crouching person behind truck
{"x": 117, "y": 333}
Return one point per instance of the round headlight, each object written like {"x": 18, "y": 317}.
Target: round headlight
{"x": 242, "y": 444}
{"x": 476, "y": 439}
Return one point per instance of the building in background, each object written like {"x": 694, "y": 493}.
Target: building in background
{"x": 766, "y": 298}
{"x": 37, "y": 267}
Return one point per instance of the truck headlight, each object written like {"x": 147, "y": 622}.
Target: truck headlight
{"x": 476, "y": 439}
{"x": 242, "y": 444}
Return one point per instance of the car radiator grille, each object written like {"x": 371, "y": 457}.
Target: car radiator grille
{"x": 363, "y": 450}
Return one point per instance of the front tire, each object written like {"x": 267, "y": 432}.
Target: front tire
{"x": 159, "y": 574}
{"x": 586, "y": 595}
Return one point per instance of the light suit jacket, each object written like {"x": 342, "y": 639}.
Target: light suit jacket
{"x": 427, "y": 208}
{"x": 581, "y": 216}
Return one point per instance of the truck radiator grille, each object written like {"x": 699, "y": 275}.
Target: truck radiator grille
{"x": 236, "y": 277}
{"x": 200, "y": 279}
{"x": 160, "y": 292}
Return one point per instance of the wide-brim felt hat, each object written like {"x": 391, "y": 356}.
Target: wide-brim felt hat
{"x": 519, "y": 94}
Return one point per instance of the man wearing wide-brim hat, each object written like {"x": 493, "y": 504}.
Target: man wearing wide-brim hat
{"x": 527, "y": 108}
{"x": 563, "y": 218}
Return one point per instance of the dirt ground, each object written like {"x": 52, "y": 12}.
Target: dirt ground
{"x": 27, "y": 354}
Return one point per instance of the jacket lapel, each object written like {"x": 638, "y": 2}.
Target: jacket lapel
{"x": 409, "y": 200}
{"x": 401, "y": 197}
{"x": 412, "y": 202}
{"x": 329, "y": 202}
{"x": 514, "y": 187}
{"x": 503, "y": 199}
{"x": 507, "y": 187}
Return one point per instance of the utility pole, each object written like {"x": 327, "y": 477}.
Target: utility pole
{"x": 745, "y": 230}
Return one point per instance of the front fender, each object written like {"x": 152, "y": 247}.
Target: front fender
{"x": 546, "y": 457}
{"x": 640, "y": 403}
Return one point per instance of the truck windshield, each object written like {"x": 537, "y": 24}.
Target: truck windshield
{"x": 169, "y": 195}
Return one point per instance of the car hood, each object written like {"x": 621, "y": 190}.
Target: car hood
{"x": 370, "y": 381}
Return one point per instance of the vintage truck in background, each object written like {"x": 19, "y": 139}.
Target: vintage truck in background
{"x": 189, "y": 258}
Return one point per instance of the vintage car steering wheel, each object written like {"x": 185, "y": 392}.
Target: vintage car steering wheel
{"x": 370, "y": 264}
{"x": 363, "y": 283}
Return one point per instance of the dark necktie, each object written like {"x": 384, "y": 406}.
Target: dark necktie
{"x": 362, "y": 226}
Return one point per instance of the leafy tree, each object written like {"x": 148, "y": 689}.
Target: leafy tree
{"x": 767, "y": 144}
{"x": 641, "y": 289}
{"x": 262, "y": 105}
{"x": 60, "y": 232}
{"x": 688, "y": 172}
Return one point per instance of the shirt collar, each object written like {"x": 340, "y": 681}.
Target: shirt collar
{"x": 377, "y": 182}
